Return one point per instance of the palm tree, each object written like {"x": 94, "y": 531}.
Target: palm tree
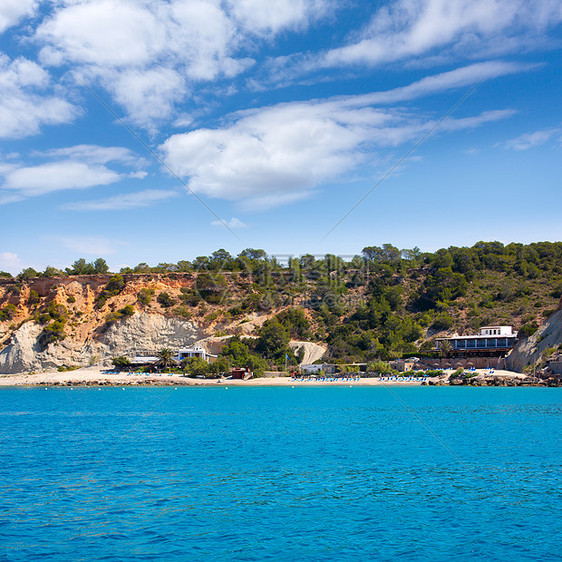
{"x": 165, "y": 358}
{"x": 445, "y": 347}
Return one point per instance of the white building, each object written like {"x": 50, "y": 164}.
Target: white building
{"x": 497, "y": 331}
{"x": 490, "y": 337}
{"x": 144, "y": 360}
{"x": 315, "y": 368}
{"x": 184, "y": 353}
{"x": 195, "y": 351}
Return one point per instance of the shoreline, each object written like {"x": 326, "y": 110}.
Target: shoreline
{"x": 95, "y": 376}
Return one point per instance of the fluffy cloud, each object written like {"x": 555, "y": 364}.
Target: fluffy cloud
{"x": 428, "y": 33}
{"x": 11, "y": 11}
{"x": 147, "y": 53}
{"x": 148, "y": 96}
{"x": 124, "y": 201}
{"x": 201, "y": 34}
{"x": 24, "y": 104}
{"x": 45, "y": 178}
{"x": 105, "y": 33}
{"x": 284, "y": 148}
{"x": 405, "y": 28}
{"x": 277, "y": 155}
{"x": 77, "y": 167}
{"x": 142, "y": 52}
{"x": 271, "y": 17}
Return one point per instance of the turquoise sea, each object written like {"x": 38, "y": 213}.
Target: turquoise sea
{"x": 320, "y": 473}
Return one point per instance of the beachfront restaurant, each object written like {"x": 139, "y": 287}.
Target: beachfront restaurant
{"x": 494, "y": 339}
{"x": 315, "y": 368}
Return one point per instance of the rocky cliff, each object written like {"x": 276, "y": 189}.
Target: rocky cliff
{"x": 141, "y": 333}
{"x": 77, "y": 320}
{"x": 530, "y": 350}
{"x": 47, "y": 323}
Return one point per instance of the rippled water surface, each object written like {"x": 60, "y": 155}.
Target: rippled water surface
{"x": 280, "y": 474}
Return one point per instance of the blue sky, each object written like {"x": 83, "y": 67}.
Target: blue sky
{"x": 157, "y": 131}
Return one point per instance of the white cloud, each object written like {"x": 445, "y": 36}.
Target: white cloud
{"x": 149, "y": 53}
{"x": 89, "y": 245}
{"x": 45, "y": 178}
{"x": 138, "y": 175}
{"x": 148, "y": 96}
{"x": 24, "y": 105}
{"x": 438, "y": 83}
{"x": 94, "y": 154}
{"x": 102, "y": 32}
{"x": 123, "y": 201}
{"x": 76, "y": 167}
{"x": 271, "y": 17}
{"x": 11, "y": 262}
{"x": 201, "y": 34}
{"x": 143, "y": 52}
{"x": 277, "y": 155}
{"x": 451, "y": 124}
{"x": 428, "y": 33}
{"x": 233, "y": 223}
{"x": 530, "y": 140}
{"x": 405, "y": 28}
{"x": 183, "y": 121}
{"x": 284, "y": 148}
{"x": 12, "y": 11}
{"x": 205, "y": 39}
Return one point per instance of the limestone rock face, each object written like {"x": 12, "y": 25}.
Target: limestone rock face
{"x": 99, "y": 325}
{"x": 311, "y": 351}
{"x": 144, "y": 334}
{"x": 21, "y": 352}
{"x": 529, "y": 350}
{"x": 140, "y": 334}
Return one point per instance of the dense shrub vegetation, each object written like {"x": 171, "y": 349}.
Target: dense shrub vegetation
{"x": 114, "y": 286}
{"x": 54, "y": 319}
{"x": 382, "y": 304}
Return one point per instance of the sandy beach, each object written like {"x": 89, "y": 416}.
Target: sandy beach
{"x": 95, "y": 376}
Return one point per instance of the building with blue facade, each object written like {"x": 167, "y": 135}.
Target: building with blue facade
{"x": 496, "y": 339}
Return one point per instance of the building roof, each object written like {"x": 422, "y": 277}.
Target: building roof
{"x": 480, "y": 336}
{"x": 508, "y": 332}
{"x": 139, "y": 360}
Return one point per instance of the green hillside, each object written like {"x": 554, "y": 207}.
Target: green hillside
{"x": 382, "y": 304}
